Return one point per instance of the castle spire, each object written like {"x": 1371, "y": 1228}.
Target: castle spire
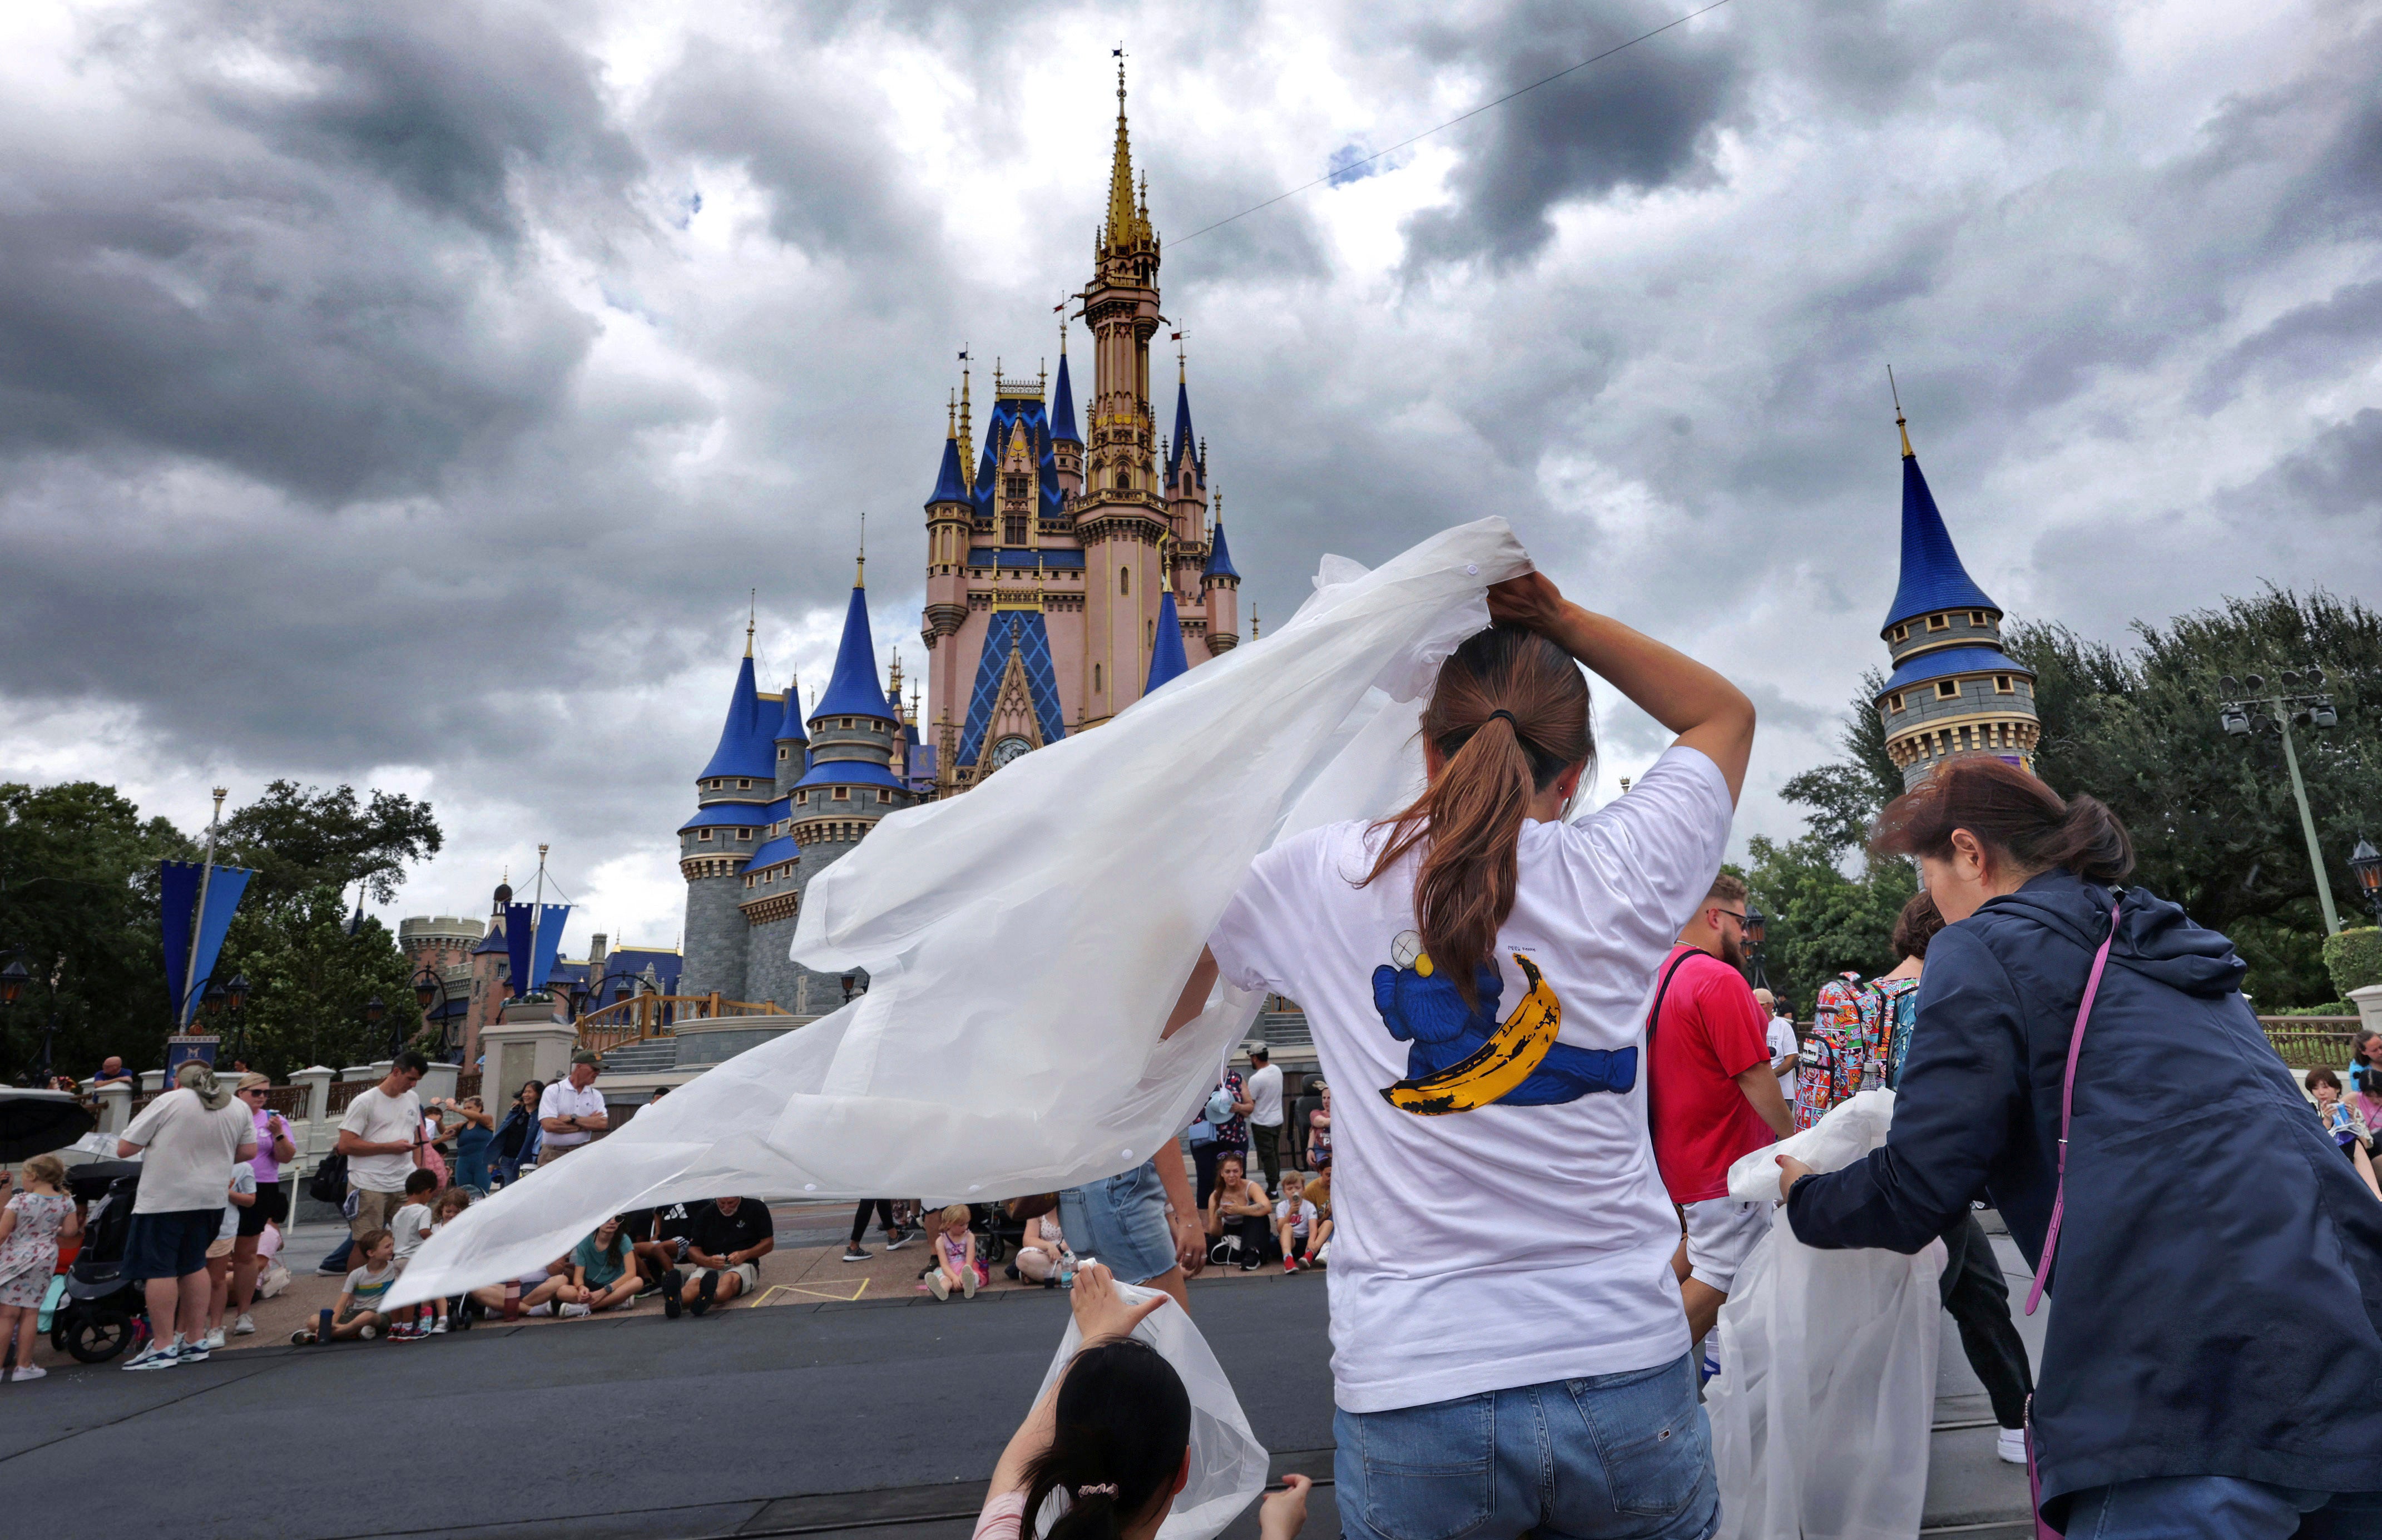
{"x": 1122, "y": 219}
{"x": 1932, "y": 578}
{"x": 852, "y": 690}
{"x": 1166, "y": 656}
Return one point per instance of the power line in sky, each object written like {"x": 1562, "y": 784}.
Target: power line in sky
{"x": 1338, "y": 172}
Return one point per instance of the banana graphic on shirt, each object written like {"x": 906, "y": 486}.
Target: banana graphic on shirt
{"x": 1496, "y": 1067}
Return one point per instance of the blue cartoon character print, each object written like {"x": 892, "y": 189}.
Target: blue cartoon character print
{"x": 1464, "y": 1057}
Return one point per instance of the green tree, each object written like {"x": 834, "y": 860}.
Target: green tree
{"x": 2215, "y": 825}
{"x": 79, "y": 907}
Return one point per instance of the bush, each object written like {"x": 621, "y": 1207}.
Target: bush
{"x": 2354, "y": 958}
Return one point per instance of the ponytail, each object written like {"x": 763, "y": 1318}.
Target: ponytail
{"x": 1508, "y": 715}
{"x": 2015, "y": 816}
{"x": 1121, "y": 1425}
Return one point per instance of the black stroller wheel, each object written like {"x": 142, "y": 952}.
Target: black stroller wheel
{"x": 96, "y": 1336}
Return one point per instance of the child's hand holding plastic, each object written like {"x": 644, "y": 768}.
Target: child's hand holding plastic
{"x": 1284, "y": 1513}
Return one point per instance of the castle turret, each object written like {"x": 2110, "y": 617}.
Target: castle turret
{"x": 1066, "y": 444}
{"x": 1953, "y": 691}
{"x": 732, "y": 797}
{"x": 1167, "y": 659}
{"x": 1220, "y": 585}
{"x": 1122, "y": 517}
{"x": 793, "y": 744}
{"x": 1186, "y": 510}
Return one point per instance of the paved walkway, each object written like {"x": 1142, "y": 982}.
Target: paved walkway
{"x": 808, "y": 1414}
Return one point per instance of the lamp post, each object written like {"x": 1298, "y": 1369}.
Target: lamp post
{"x": 374, "y": 1009}
{"x": 1756, "y": 922}
{"x": 216, "y": 997}
{"x": 2365, "y": 862}
{"x": 2302, "y": 703}
{"x": 430, "y": 988}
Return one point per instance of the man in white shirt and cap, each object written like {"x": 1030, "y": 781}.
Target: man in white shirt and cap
{"x": 572, "y": 1111}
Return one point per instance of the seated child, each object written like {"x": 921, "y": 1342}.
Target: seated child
{"x": 1297, "y": 1225}
{"x": 1044, "y": 1256}
{"x": 955, "y": 1264}
{"x": 1112, "y": 1438}
{"x": 603, "y": 1271}
{"x": 359, "y": 1313}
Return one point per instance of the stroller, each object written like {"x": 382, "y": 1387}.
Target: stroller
{"x": 103, "y": 1313}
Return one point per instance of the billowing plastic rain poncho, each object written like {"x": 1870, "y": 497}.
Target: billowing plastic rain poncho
{"x": 1025, "y": 942}
{"x": 1827, "y": 1395}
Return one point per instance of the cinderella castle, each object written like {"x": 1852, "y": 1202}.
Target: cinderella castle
{"x": 1953, "y": 691}
{"x": 1073, "y": 573}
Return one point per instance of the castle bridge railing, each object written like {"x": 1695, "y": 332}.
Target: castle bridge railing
{"x": 658, "y": 1016}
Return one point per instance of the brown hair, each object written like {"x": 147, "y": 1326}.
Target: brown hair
{"x": 2016, "y": 817}
{"x": 369, "y": 1242}
{"x": 1916, "y": 925}
{"x": 453, "y": 1201}
{"x": 2321, "y": 1076}
{"x": 1509, "y": 715}
{"x": 1729, "y": 888}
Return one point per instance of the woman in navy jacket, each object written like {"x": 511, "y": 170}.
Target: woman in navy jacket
{"x": 2213, "y": 1366}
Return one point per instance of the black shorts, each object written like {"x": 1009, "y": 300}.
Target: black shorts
{"x": 272, "y": 1206}
{"x": 170, "y": 1245}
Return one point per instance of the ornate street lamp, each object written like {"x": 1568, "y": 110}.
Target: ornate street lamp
{"x": 429, "y": 991}
{"x": 1756, "y": 922}
{"x": 13, "y": 979}
{"x": 2366, "y": 862}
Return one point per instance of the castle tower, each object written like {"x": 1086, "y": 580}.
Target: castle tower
{"x": 732, "y": 797}
{"x": 489, "y": 964}
{"x": 1167, "y": 659}
{"x": 794, "y": 744}
{"x": 1066, "y": 444}
{"x": 848, "y": 787}
{"x": 1220, "y": 588}
{"x": 1122, "y": 515}
{"x": 1953, "y": 691}
{"x": 1186, "y": 510}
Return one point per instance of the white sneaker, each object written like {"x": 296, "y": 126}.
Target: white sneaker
{"x": 941, "y": 1285}
{"x": 245, "y": 1325}
{"x": 27, "y": 1371}
{"x": 573, "y": 1312}
{"x": 214, "y": 1339}
{"x": 439, "y": 1325}
{"x": 155, "y": 1356}
{"x": 2011, "y": 1446}
{"x": 967, "y": 1284}
{"x": 546, "y": 1309}
{"x": 190, "y": 1352}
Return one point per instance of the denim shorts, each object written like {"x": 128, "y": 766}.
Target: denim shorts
{"x": 1120, "y": 1222}
{"x": 1604, "y": 1458}
{"x": 170, "y": 1245}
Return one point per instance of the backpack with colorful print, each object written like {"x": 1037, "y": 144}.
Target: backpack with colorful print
{"x": 1828, "y": 1067}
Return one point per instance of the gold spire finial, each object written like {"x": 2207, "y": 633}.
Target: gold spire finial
{"x": 752, "y": 615}
{"x": 1899, "y": 425}
{"x": 951, "y": 416}
{"x": 1121, "y": 208}
{"x": 967, "y": 431}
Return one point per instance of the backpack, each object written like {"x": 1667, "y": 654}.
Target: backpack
{"x": 329, "y": 1182}
{"x": 1833, "y": 1060}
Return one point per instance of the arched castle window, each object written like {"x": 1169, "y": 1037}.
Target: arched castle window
{"x": 1124, "y": 480}
{"x": 1124, "y": 580}
{"x": 1095, "y": 679}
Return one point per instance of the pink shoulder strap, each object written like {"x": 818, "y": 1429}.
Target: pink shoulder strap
{"x": 2066, "y": 1106}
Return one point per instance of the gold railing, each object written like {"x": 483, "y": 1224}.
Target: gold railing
{"x": 2307, "y": 1042}
{"x": 658, "y": 1016}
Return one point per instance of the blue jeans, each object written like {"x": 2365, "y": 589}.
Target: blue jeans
{"x": 2220, "y": 1508}
{"x": 1611, "y": 1457}
{"x": 1121, "y": 1221}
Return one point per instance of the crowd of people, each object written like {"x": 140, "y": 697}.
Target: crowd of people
{"x": 1533, "y": 1233}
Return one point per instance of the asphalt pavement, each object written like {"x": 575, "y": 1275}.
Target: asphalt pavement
{"x": 880, "y": 1417}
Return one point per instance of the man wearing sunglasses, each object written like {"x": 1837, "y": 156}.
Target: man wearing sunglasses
{"x": 1711, "y": 1097}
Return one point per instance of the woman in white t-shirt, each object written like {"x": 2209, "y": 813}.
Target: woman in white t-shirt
{"x": 1509, "y": 1351}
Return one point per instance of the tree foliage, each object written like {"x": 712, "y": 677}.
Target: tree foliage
{"x": 79, "y": 895}
{"x": 2214, "y": 823}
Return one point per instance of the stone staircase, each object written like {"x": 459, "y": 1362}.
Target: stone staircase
{"x": 649, "y": 1056}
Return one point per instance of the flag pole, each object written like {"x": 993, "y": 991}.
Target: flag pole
{"x": 536, "y": 913}
{"x": 190, "y": 982}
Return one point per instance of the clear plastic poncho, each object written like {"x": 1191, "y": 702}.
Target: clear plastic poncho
{"x": 1026, "y": 942}
{"x": 1826, "y": 1400}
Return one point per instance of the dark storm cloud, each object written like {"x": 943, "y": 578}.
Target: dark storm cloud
{"x": 2306, "y": 342}
{"x": 1643, "y": 119}
{"x": 255, "y": 282}
{"x": 2337, "y": 474}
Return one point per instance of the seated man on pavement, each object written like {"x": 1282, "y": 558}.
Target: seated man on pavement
{"x": 729, "y": 1238}
{"x": 660, "y": 1236}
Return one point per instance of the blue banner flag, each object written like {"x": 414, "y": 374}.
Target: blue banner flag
{"x": 188, "y": 964}
{"x": 529, "y": 973}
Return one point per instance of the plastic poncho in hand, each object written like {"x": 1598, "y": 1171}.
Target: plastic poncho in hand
{"x": 1827, "y": 1395}
{"x": 1228, "y": 1464}
{"x": 1026, "y": 942}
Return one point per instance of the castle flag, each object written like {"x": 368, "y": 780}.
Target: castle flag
{"x": 186, "y": 965}
{"x": 529, "y": 973}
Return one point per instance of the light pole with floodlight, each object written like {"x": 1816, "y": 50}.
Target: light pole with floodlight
{"x": 2245, "y": 716}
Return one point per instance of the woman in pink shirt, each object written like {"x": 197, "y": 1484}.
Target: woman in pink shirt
{"x": 273, "y": 1148}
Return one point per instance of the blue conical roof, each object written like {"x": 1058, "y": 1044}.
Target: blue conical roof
{"x": 1062, "y": 408}
{"x": 951, "y": 486}
{"x": 789, "y": 720}
{"x": 745, "y": 743}
{"x": 1932, "y": 578}
{"x": 1220, "y": 555}
{"x": 1166, "y": 658}
{"x": 853, "y": 692}
{"x": 1183, "y": 439}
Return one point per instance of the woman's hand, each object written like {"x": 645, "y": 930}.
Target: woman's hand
{"x": 1284, "y": 1513}
{"x": 1529, "y": 600}
{"x": 1101, "y": 1313}
{"x": 1791, "y": 1171}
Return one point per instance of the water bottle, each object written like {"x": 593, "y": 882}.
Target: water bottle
{"x": 1067, "y": 1272}
{"x": 512, "y": 1300}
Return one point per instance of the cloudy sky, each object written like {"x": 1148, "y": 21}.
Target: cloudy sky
{"x": 410, "y": 395}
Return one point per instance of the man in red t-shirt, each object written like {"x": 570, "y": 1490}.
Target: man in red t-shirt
{"x": 1711, "y": 1096}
